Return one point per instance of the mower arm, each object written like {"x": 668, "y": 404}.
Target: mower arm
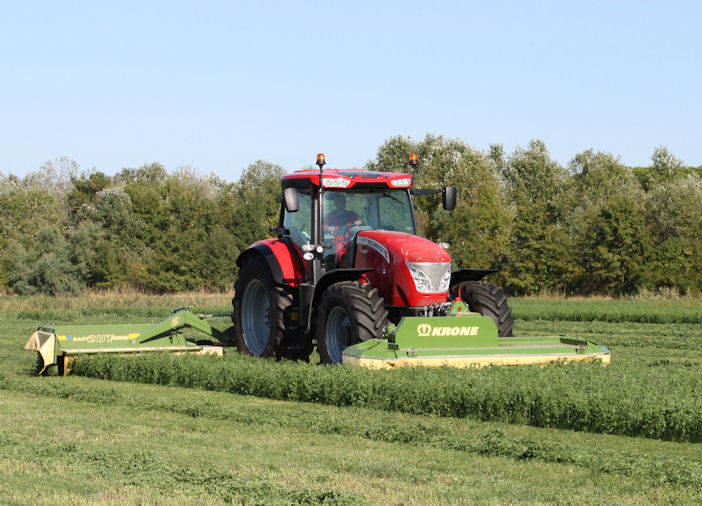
{"x": 55, "y": 342}
{"x": 181, "y": 318}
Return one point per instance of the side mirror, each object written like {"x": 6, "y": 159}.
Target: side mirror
{"x": 292, "y": 199}
{"x": 448, "y": 198}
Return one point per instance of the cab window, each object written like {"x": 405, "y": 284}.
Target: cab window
{"x": 298, "y": 223}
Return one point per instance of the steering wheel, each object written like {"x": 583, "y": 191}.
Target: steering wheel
{"x": 358, "y": 228}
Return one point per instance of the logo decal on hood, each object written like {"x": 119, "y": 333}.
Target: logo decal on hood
{"x": 372, "y": 243}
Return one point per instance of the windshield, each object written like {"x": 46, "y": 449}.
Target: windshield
{"x": 367, "y": 210}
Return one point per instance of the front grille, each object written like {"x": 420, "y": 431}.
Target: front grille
{"x": 428, "y": 275}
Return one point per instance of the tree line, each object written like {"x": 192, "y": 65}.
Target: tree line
{"x": 595, "y": 226}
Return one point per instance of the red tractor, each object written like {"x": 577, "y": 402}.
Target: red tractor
{"x": 347, "y": 261}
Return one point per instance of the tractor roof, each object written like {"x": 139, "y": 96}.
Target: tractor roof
{"x": 347, "y": 178}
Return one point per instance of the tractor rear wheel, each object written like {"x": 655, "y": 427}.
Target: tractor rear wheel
{"x": 488, "y": 300}
{"x": 350, "y": 313}
{"x": 258, "y": 310}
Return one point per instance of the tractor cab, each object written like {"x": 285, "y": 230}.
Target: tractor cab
{"x": 329, "y": 208}
{"x": 345, "y": 213}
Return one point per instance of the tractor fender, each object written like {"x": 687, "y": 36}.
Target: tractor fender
{"x": 284, "y": 263}
{"x": 461, "y": 275}
{"x": 325, "y": 282}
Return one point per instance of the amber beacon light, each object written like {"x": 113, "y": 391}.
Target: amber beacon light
{"x": 321, "y": 160}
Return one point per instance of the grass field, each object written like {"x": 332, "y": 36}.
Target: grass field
{"x": 77, "y": 440}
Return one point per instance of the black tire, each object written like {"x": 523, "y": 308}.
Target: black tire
{"x": 350, "y": 313}
{"x": 52, "y": 370}
{"x": 39, "y": 368}
{"x": 488, "y": 300}
{"x": 259, "y": 306}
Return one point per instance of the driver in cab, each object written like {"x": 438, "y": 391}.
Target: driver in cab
{"x": 340, "y": 220}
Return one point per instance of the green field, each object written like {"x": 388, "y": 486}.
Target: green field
{"x": 442, "y": 436}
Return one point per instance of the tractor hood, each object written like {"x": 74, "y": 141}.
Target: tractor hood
{"x": 407, "y": 269}
{"x": 403, "y": 247}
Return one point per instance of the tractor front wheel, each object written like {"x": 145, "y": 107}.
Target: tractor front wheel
{"x": 488, "y": 300}
{"x": 259, "y": 305}
{"x": 350, "y": 313}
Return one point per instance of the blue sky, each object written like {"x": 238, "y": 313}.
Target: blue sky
{"x": 219, "y": 85}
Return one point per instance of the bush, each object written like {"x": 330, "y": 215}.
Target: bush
{"x": 44, "y": 266}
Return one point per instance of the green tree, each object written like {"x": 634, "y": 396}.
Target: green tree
{"x": 673, "y": 210}
{"x": 257, "y": 195}
{"x": 541, "y": 254}
{"x": 666, "y": 167}
{"x": 149, "y": 174}
{"x": 478, "y": 230}
{"x": 44, "y": 265}
{"x": 86, "y": 187}
{"x": 26, "y": 206}
{"x": 608, "y": 227}
{"x": 168, "y": 214}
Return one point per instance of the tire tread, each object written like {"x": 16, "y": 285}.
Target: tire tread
{"x": 488, "y": 300}
{"x": 367, "y": 312}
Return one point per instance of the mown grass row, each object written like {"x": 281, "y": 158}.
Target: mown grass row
{"x": 656, "y": 341}
{"x": 115, "y": 315}
{"x": 650, "y": 400}
{"x": 652, "y": 467}
{"x": 147, "y": 469}
{"x": 111, "y": 299}
{"x": 688, "y": 310}
{"x": 143, "y": 469}
{"x": 615, "y": 311}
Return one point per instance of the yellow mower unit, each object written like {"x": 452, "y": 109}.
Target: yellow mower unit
{"x": 465, "y": 339}
{"x": 57, "y": 345}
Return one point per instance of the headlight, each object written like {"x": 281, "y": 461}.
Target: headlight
{"x": 445, "y": 280}
{"x": 401, "y": 183}
{"x": 430, "y": 277}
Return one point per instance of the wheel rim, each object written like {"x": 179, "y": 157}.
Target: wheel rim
{"x": 337, "y": 332}
{"x": 256, "y": 317}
